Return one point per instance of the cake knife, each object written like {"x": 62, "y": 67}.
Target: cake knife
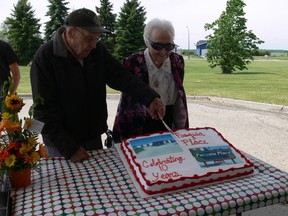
{"x": 167, "y": 127}
{"x": 170, "y": 131}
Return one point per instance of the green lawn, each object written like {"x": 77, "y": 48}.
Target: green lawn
{"x": 264, "y": 81}
{"x": 24, "y": 86}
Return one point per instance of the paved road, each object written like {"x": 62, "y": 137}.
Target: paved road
{"x": 255, "y": 128}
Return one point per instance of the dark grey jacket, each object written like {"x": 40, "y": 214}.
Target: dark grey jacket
{"x": 75, "y": 109}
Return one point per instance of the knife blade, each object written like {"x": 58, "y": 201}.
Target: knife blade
{"x": 167, "y": 127}
{"x": 170, "y": 131}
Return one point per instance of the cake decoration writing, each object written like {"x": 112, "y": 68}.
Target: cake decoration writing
{"x": 188, "y": 142}
{"x": 158, "y": 162}
{"x": 163, "y": 166}
{"x": 193, "y": 135}
{"x": 193, "y": 138}
{"x": 165, "y": 176}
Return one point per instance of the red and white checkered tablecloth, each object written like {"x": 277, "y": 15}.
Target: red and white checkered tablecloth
{"x": 102, "y": 186}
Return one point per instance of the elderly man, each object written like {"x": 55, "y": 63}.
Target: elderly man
{"x": 70, "y": 73}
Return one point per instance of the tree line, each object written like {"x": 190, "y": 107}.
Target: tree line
{"x": 22, "y": 29}
{"x": 231, "y": 45}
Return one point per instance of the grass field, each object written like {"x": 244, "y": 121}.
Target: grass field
{"x": 264, "y": 81}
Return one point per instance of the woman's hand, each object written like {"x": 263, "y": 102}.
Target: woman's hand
{"x": 157, "y": 109}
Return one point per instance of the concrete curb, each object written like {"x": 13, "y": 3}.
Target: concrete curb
{"x": 224, "y": 101}
{"x": 241, "y": 103}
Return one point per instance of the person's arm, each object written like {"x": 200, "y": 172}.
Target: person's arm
{"x": 14, "y": 68}
{"x": 121, "y": 79}
{"x": 12, "y": 60}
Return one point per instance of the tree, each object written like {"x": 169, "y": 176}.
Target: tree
{"x": 57, "y": 12}
{"x": 3, "y": 31}
{"x": 23, "y": 31}
{"x": 129, "y": 29}
{"x": 108, "y": 20}
{"x": 232, "y": 45}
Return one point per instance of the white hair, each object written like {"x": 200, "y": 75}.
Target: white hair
{"x": 162, "y": 24}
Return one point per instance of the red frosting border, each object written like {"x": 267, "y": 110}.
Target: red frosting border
{"x": 246, "y": 165}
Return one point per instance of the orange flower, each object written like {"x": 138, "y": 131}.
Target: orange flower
{"x": 33, "y": 158}
{"x": 4, "y": 154}
{"x": 13, "y": 145}
{"x": 12, "y": 126}
{"x": 25, "y": 148}
{"x": 2, "y": 124}
{"x": 42, "y": 151}
{"x": 28, "y": 159}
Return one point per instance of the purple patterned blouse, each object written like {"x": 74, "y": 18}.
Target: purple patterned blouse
{"x": 131, "y": 115}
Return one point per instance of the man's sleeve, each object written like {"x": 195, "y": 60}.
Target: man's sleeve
{"x": 10, "y": 55}
{"x": 121, "y": 79}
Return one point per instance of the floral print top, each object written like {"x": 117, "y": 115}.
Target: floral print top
{"x": 131, "y": 115}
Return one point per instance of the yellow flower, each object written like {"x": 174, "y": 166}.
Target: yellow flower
{"x": 32, "y": 141}
{"x": 14, "y": 102}
{"x": 28, "y": 122}
{"x": 32, "y": 158}
{"x": 5, "y": 115}
{"x": 35, "y": 157}
{"x": 10, "y": 161}
{"x": 25, "y": 148}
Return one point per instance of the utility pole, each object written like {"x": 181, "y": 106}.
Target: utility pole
{"x": 188, "y": 42}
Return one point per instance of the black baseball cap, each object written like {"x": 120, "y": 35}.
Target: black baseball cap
{"x": 86, "y": 19}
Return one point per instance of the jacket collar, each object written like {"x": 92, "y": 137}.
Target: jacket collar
{"x": 59, "y": 46}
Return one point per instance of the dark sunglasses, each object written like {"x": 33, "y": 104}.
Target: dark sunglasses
{"x": 160, "y": 46}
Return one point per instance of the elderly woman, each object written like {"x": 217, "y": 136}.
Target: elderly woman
{"x": 163, "y": 70}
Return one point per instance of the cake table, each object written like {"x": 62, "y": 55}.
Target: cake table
{"x": 102, "y": 186}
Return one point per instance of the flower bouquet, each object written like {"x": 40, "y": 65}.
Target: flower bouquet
{"x": 20, "y": 150}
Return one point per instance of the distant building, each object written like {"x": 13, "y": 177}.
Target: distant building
{"x": 201, "y": 48}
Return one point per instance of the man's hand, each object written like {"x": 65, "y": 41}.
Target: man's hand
{"x": 156, "y": 109}
{"x": 80, "y": 155}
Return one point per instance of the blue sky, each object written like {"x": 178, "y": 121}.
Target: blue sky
{"x": 266, "y": 18}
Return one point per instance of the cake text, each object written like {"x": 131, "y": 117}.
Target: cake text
{"x": 192, "y": 138}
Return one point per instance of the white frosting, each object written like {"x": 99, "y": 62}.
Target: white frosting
{"x": 163, "y": 165}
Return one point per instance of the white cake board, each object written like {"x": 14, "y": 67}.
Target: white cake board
{"x": 145, "y": 195}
